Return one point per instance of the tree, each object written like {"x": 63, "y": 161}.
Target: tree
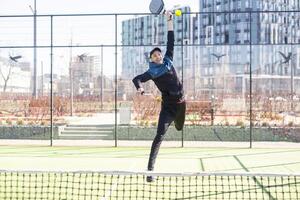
{"x": 6, "y": 77}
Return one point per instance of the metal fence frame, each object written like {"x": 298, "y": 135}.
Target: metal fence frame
{"x": 116, "y": 45}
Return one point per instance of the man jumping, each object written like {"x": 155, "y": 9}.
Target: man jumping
{"x": 163, "y": 74}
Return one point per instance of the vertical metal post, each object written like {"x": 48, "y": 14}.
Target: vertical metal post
{"x": 101, "y": 87}
{"x": 182, "y": 27}
{"x": 194, "y": 53}
{"x": 42, "y": 73}
{"x": 34, "y": 93}
{"x": 250, "y": 89}
{"x": 116, "y": 77}
{"x": 71, "y": 74}
{"x": 292, "y": 80}
{"x": 51, "y": 85}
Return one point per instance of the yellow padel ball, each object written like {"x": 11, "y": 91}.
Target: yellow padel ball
{"x": 178, "y": 13}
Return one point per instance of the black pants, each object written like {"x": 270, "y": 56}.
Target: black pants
{"x": 169, "y": 112}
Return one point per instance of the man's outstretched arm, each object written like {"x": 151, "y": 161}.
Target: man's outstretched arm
{"x": 139, "y": 79}
{"x": 170, "y": 42}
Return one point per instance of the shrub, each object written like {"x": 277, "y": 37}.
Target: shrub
{"x": 291, "y": 123}
{"x": 240, "y": 123}
{"x": 20, "y": 122}
{"x": 154, "y": 123}
{"x": 226, "y": 123}
{"x": 9, "y": 121}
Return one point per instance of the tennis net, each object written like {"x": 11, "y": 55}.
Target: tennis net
{"x": 90, "y": 185}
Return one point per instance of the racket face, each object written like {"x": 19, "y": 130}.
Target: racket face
{"x": 156, "y": 6}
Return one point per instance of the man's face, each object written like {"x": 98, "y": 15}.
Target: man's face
{"x": 156, "y": 57}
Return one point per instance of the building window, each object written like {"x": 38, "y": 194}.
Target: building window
{"x": 226, "y": 37}
{"x": 247, "y": 4}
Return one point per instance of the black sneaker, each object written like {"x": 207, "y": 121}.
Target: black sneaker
{"x": 150, "y": 179}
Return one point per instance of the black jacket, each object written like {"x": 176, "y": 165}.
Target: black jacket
{"x": 168, "y": 84}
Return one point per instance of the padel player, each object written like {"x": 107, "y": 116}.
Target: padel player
{"x": 162, "y": 72}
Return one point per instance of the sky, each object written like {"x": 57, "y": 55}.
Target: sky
{"x": 83, "y": 30}
{"x": 86, "y": 6}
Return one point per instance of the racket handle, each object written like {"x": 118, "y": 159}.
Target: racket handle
{"x": 171, "y": 16}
